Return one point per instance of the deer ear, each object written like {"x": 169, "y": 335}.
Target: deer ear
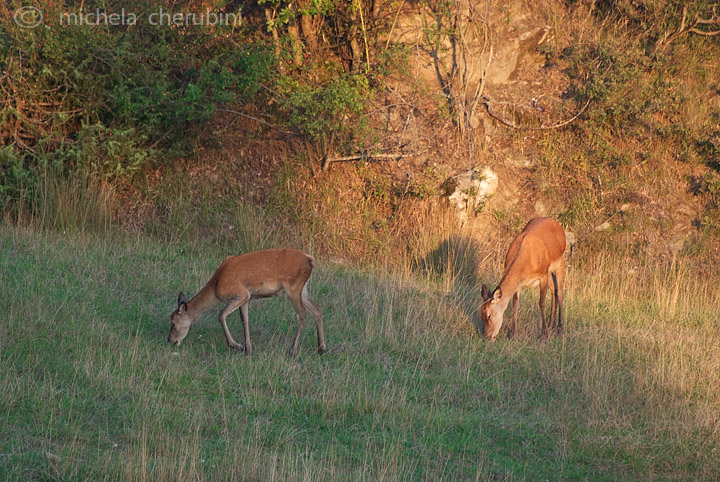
{"x": 485, "y": 292}
{"x": 497, "y": 294}
{"x": 182, "y": 301}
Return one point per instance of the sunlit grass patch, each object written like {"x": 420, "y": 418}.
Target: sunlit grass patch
{"x": 407, "y": 390}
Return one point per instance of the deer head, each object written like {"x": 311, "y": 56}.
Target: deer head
{"x": 180, "y": 322}
{"x": 491, "y": 312}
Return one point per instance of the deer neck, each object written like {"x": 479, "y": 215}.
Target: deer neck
{"x": 509, "y": 285}
{"x": 201, "y": 302}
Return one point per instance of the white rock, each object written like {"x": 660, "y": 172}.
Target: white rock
{"x": 470, "y": 189}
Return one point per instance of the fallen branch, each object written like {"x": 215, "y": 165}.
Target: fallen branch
{"x": 254, "y": 119}
{"x": 486, "y": 102}
{"x": 358, "y": 157}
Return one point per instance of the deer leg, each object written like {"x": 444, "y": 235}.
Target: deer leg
{"x": 552, "y": 281}
{"x": 232, "y": 305}
{"x": 516, "y": 305}
{"x": 316, "y": 313}
{"x": 299, "y": 307}
{"x": 543, "y": 295}
{"x": 559, "y": 281}
{"x": 246, "y": 327}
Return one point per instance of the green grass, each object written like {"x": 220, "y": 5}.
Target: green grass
{"x": 89, "y": 390}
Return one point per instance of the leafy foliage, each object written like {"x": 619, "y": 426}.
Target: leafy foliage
{"x": 110, "y": 96}
{"x": 327, "y": 109}
{"x": 104, "y": 96}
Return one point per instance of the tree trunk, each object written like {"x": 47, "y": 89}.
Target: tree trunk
{"x": 269, "y": 16}
{"x": 355, "y": 49}
{"x": 308, "y": 32}
{"x": 296, "y": 44}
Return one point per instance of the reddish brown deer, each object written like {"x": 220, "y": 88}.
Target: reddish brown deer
{"x": 536, "y": 257}
{"x": 238, "y": 280}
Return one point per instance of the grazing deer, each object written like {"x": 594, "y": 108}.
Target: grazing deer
{"x": 239, "y": 279}
{"x": 536, "y": 256}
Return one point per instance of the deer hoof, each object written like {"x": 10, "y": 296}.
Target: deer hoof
{"x": 237, "y": 346}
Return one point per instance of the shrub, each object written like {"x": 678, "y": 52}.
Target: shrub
{"x": 15, "y": 178}
{"x": 100, "y": 99}
{"x": 707, "y": 187}
{"x": 324, "y": 110}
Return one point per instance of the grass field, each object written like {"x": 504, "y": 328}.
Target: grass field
{"x": 89, "y": 389}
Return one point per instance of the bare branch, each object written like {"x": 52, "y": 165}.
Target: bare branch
{"x": 487, "y": 103}
{"x": 694, "y": 27}
{"x": 254, "y": 119}
{"x": 392, "y": 27}
{"x": 714, "y": 20}
{"x": 711, "y": 20}
{"x": 704, "y": 32}
{"x": 363, "y": 156}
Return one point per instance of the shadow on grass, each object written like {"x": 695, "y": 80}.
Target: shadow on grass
{"x": 456, "y": 263}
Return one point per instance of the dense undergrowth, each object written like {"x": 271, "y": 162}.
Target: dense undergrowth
{"x": 126, "y": 107}
{"x": 654, "y": 110}
{"x": 83, "y": 95}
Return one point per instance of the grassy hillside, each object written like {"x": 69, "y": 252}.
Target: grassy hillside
{"x": 89, "y": 390}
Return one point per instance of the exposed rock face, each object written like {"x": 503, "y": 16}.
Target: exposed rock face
{"x": 517, "y": 29}
{"x": 520, "y": 53}
{"x": 469, "y": 190}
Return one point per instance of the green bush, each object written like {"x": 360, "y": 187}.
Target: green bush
{"x": 110, "y": 153}
{"x": 109, "y": 101}
{"x": 324, "y": 110}
{"x": 150, "y": 85}
{"x": 15, "y": 178}
{"x": 707, "y": 187}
